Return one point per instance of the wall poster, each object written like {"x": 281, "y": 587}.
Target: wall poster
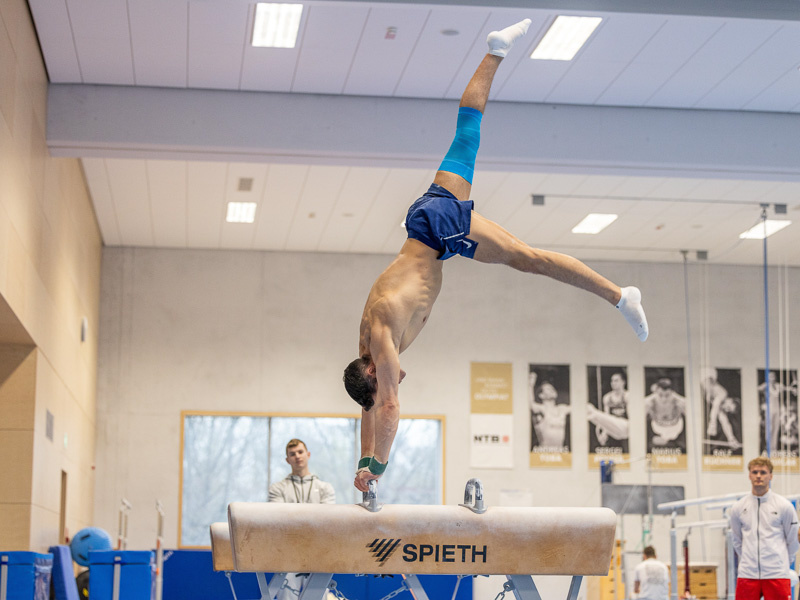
{"x": 607, "y": 414}
{"x": 721, "y": 391}
{"x": 549, "y": 401}
{"x": 782, "y": 388}
{"x": 491, "y": 421}
{"x": 665, "y": 410}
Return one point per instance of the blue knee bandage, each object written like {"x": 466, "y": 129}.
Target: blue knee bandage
{"x": 460, "y": 159}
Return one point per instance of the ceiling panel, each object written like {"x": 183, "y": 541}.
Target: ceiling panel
{"x": 94, "y": 170}
{"x": 159, "y": 45}
{"x": 317, "y": 201}
{"x": 128, "y": 183}
{"x": 206, "y": 209}
{"x": 511, "y": 192}
{"x": 437, "y": 57}
{"x": 359, "y": 191}
{"x": 325, "y": 58}
{"x": 277, "y": 207}
{"x": 605, "y": 57}
{"x": 774, "y": 58}
{"x": 57, "y": 41}
{"x": 389, "y": 38}
{"x": 166, "y": 182}
{"x": 102, "y": 39}
{"x": 218, "y": 32}
{"x": 783, "y": 95}
{"x": 388, "y": 211}
{"x": 244, "y": 182}
{"x": 733, "y": 43}
{"x": 671, "y": 47}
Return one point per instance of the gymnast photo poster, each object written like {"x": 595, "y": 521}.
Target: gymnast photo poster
{"x": 721, "y": 391}
{"x": 607, "y": 414}
{"x": 781, "y": 388}
{"x": 665, "y": 410}
{"x": 549, "y": 401}
{"x": 491, "y": 418}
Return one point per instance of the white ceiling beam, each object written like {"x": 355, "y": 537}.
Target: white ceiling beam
{"x": 137, "y": 122}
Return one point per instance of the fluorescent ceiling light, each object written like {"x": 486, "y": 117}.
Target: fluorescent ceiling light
{"x": 241, "y": 212}
{"x": 594, "y": 223}
{"x": 757, "y": 232}
{"x": 276, "y": 25}
{"x": 565, "y": 37}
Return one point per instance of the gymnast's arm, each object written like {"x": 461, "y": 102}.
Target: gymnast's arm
{"x": 385, "y": 413}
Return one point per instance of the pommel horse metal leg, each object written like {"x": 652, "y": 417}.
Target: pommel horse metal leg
{"x": 316, "y": 586}
{"x": 269, "y": 591}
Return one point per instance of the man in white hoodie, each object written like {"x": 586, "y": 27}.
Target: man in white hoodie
{"x": 764, "y": 527}
{"x": 302, "y": 487}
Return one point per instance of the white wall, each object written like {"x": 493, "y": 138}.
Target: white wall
{"x": 246, "y": 331}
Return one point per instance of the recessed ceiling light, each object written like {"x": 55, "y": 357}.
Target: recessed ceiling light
{"x": 241, "y": 212}
{"x": 764, "y": 229}
{"x": 565, "y": 37}
{"x": 594, "y": 223}
{"x": 276, "y": 25}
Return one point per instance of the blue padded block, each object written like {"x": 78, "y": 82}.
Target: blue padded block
{"x": 63, "y": 573}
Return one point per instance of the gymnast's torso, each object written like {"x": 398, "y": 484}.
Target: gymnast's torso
{"x": 402, "y": 297}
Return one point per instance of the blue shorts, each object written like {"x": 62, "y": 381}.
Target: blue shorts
{"x": 441, "y": 221}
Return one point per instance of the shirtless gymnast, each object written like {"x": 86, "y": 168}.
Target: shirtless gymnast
{"x": 442, "y": 224}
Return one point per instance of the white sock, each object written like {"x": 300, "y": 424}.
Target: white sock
{"x": 500, "y": 42}
{"x": 630, "y": 305}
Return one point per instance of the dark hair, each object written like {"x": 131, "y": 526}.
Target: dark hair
{"x": 665, "y": 383}
{"x": 294, "y": 442}
{"x": 360, "y": 387}
{"x": 649, "y": 551}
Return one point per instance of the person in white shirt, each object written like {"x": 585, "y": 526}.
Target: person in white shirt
{"x": 651, "y": 577}
{"x": 764, "y": 528}
{"x": 301, "y": 487}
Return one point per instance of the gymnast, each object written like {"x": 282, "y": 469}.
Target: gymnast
{"x": 442, "y": 224}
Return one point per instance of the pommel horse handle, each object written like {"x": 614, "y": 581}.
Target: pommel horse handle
{"x": 473, "y": 496}
{"x": 370, "y": 497}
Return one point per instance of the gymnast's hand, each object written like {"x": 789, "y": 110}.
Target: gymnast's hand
{"x": 363, "y": 477}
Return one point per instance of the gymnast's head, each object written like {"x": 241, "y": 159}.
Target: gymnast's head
{"x": 361, "y": 382}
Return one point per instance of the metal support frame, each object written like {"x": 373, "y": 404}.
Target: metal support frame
{"x": 316, "y": 586}
{"x": 268, "y": 592}
{"x": 3, "y": 577}
{"x": 415, "y": 587}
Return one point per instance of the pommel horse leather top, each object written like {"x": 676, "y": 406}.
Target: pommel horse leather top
{"x": 221, "y": 547}
{"x": 454, "y": 540}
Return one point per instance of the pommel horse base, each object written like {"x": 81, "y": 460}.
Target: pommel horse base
{"x": 469, "y": 539}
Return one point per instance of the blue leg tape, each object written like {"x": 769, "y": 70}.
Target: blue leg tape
{"x": 460, "y": 159}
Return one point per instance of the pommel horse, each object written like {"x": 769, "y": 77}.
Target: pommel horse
{"x": 373, "y": 539}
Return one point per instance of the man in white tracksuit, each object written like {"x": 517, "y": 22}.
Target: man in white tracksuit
{"x": 302, "y": 487}
{"x": 764, "y": 527}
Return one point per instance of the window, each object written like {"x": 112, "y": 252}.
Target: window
{"x": 235, "y": 458}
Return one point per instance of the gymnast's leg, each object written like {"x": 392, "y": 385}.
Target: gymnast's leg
{"x": 495, "y": 244}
